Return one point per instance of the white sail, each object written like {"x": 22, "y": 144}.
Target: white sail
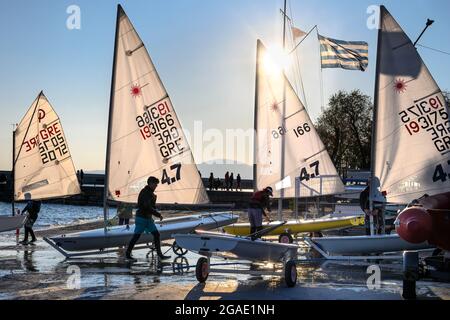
{"x": 146, "y": 137}
{"x": 305, "y": 155}
{"x": 43, "y": 167}
{"x": 412, "y": 145}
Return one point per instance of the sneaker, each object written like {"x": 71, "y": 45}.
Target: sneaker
{"x": 33, "y": 241}
{"x": 24, "y": 242}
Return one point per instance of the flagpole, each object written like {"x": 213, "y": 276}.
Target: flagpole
{"x": 283, "y": 122}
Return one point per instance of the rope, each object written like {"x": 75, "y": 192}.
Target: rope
{"x": 437, "y": 50}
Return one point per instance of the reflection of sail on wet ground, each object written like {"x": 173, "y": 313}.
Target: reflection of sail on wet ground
{"x": 412, "y": 145}
{"x": 43, "y": 167}
{"x": 146, "y": 136}
{"x": 305, "y": 156}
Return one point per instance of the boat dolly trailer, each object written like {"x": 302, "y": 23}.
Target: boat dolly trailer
{"x": 284, "y": 266}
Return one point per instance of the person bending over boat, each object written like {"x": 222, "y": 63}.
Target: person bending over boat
{"x": 144, "y": 221}
{"x": 33, "y": 207}
{"x": 259, "y": 202}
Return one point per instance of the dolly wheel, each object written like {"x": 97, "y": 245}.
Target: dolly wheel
{"x": 179, "y": 251}
{"x": 202, "y": 270}
{"x": 290, "y": 274}
{"x": 409, "y": 289}
{"x": 285, "y": 238}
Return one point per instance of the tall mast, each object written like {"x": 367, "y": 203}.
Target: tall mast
{"x": 255, "y": 123}
{"x": 13, "y": 169}
{"x": 283, "y": 122}
{"x": 374, "y": 126}
{"x": 111, "y": 106}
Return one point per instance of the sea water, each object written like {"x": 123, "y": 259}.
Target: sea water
{"x": 54, "y": 215}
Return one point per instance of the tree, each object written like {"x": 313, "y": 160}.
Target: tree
{"x": 447, "y": 97}
{"x": 345, "y": 128}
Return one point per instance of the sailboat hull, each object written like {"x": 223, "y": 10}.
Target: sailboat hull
{"x": 118, "y": 236}
{"x": 242, "y": 248}
{"x": 9, "y": 223}
{"x": 355, "y": 245}
{"x": 294, "y": 226}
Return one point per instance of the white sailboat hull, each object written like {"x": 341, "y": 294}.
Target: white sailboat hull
{"x": 118, "y": 236}
{"x": 354, "y": 245}
{"x": 9, "y": 223}
{"x": 243, "y": 248}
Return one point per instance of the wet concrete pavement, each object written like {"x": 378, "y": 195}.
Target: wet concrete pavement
{"x": 40, "y": 272}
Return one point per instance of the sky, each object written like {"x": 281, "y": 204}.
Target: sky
{"x": 203, "y": 50}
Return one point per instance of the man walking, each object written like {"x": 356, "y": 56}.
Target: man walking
{"x": 144, "y": 221}
{"x": 33, "y": 207}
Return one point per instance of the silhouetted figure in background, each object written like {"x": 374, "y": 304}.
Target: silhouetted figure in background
{"x": 33, "y": 208}
{"x": 364, "y": 204}
{"x": 81, "y": 177}
{"x": 238, "y": 183}
{"x": 231, "y": 181}
{"x": 124, "y": 213}
{"x": 211, "y": 181}
{"x": 227, "y": 180}
{"x": 217, "y": 184}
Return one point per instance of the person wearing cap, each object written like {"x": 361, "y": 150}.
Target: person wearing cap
{"x": 144, "y": 221}
{"x": 259, "y": 203}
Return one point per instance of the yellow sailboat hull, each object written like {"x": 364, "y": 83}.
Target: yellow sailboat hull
{"x": 299, "y": 226}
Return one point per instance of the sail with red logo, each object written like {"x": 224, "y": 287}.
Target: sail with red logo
{"x": 412, "y": 139}
{"x": 145, "y": 136}
{"x": 43, "y": 166}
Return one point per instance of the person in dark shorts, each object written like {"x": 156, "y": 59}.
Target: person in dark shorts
{"x": 144, "y": 221}
{"x": 259, "y": 202}
{"x": 33, "y": 207}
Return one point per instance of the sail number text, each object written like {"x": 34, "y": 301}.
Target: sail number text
{"x": 440, "y": 174}
{"x": 299, "y": 131}
{"x": 176, "y": 169}
{"x": 429, "y": 115}
{"x": 51, "y": 143}
{"x": 306, "y": 173}
{"x": 158, "y": 122}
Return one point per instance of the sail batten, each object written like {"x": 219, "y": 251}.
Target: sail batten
{"x": 306, "y": 161}
{"x": 43, "y": 166}
{"x": 146, "y": 137}
{"x": 412, "y": 136}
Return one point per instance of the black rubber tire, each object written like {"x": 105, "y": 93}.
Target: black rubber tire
{"x": 285, "y": 236}
{"x": 290, "y": 274}
{"x": 201, "y": 268}
{"x": 179, "y": 251}
{"x": 409, "y": 289}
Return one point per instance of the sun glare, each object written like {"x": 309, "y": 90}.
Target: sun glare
{"x": 275, "y": 61}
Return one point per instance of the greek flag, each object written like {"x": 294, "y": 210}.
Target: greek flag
{"x": 350, "y": 55}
